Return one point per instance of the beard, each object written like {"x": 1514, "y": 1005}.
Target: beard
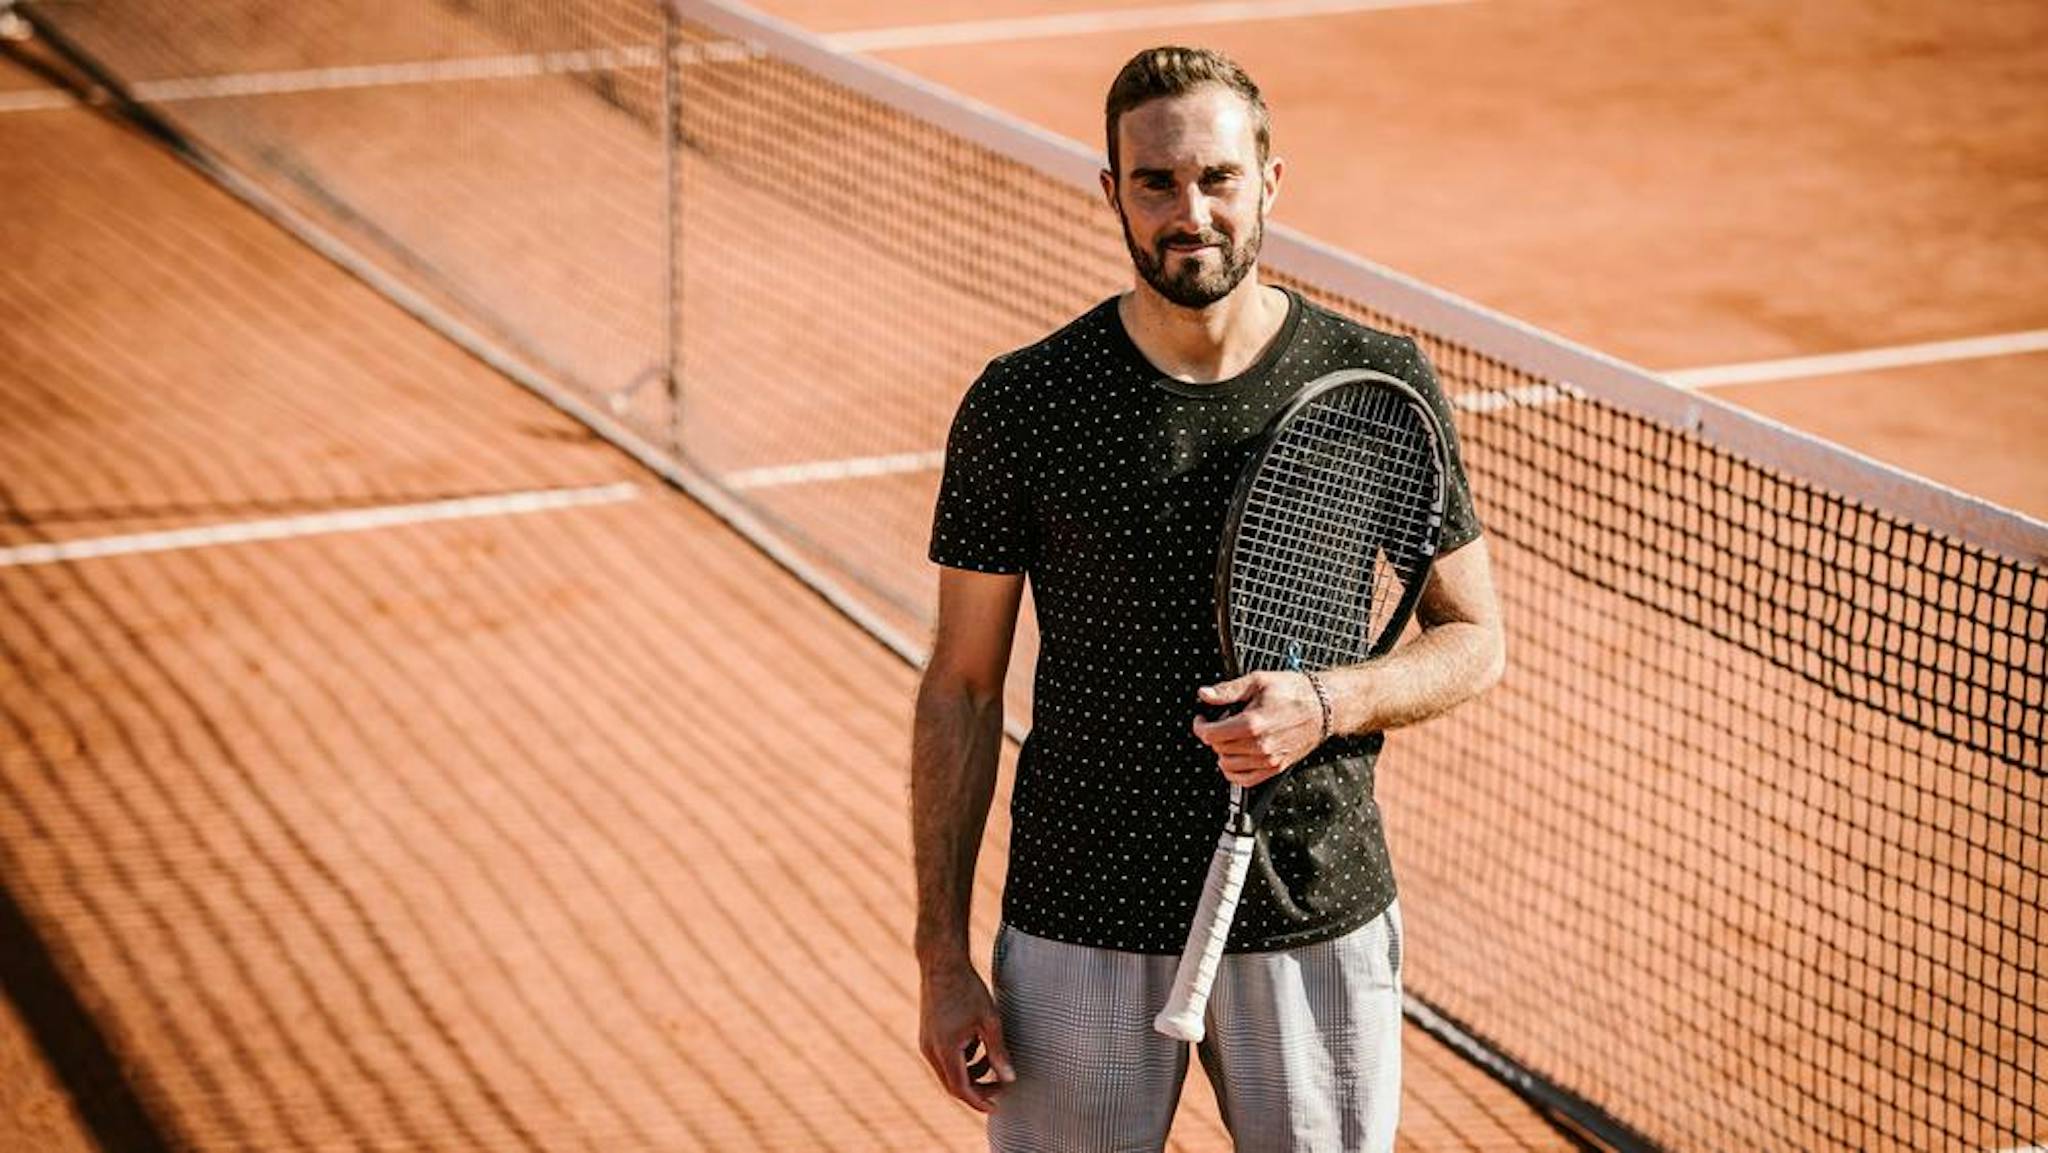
{"x": 1196, "y": 285}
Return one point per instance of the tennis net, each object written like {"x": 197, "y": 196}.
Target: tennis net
{"x": 1746, "y": 851}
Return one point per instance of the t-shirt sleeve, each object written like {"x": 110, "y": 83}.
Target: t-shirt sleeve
{"x": 983, "y": 519}
{"x": 1461, "y": 520}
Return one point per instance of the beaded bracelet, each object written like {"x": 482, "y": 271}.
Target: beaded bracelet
{"x": 1322, "y": 698}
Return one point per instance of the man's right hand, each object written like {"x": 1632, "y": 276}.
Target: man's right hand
{"x": 956, "y": 747}
{"x": 957, "y": 1011}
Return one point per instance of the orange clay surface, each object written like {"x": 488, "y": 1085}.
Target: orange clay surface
{"x": 405, "y": 840}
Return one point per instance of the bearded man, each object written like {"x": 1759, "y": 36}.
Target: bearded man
{"x": 1099, "y": 464}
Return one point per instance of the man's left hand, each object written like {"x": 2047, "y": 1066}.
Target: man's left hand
{"x": 1280, "y": 722}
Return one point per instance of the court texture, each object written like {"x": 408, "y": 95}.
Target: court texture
{"x": 464, "y": 468}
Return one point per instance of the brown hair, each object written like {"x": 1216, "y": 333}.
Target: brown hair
{"x": 1171, "y": 70}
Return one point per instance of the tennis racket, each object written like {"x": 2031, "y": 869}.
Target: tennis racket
{"x": 1330, "y": 536}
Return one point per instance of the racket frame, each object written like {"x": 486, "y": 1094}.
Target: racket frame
{"x": 1222, "y": 886}
{"x": 1241, "y": 499}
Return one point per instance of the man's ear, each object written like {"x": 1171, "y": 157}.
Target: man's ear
{"x": 1275, "y": 168}
{"x": 1108, "y": 179}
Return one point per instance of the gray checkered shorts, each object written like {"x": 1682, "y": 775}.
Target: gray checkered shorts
{"x": 1303, "y": 1046}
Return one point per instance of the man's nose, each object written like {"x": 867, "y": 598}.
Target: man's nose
{"x": 1191, "y": 208}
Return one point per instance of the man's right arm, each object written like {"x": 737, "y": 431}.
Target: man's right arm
{"x": 956, "y": 746}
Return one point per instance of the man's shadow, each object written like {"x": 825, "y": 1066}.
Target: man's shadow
{"x": 70, "y": 1039}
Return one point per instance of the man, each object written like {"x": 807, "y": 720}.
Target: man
{"x": 1100, "y": 462}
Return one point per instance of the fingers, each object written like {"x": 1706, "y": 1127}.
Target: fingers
{"x": 1229, "y": 692}
{"x": 1276, "y": 729}
{"x": 1274, "y": 722}
{"x": 1242, "y": 763}
{"x": 1247, "y": 772}
{"x": 978, "y": 1071}
{"x": 1242, "y": 731}
{"x": 997, "y": 1057}
{"x": 1245, "y": 690}
{"x": 950, "y": 1062}
{"x": 988, "y": 1068}
{"x": 962, "y": 1041}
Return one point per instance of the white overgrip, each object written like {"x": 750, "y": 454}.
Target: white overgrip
{"x": 1189, "y": 1000}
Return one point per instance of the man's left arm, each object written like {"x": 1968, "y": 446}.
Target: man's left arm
{"x": 1461, "y": 652}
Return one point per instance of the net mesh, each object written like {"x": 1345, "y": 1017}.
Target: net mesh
{"x": 1746, "y": 850}
{"x": 1339, "y": 522}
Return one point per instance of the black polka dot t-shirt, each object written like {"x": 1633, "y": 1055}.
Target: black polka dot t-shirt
{"x": 1077, "y": 462}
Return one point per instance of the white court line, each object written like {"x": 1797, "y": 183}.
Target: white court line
{"x": 845, "y": 468}
{"x": 393, "y": 75}
{"x": 401, "y": 74}
{"x": 36, "y": 100}
{"x": 316, "y": 524}
{"x": 1834, "y": 364}
{"x": 646, "y": 57}
{"x": 1089, "y": 23}
{"x": 717, "y": 52}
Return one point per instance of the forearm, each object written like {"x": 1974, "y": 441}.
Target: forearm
{"x": 957, "y": 739}
{"x": 1433, "y": 673}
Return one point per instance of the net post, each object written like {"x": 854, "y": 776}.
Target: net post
{"x": 672, "y": 179}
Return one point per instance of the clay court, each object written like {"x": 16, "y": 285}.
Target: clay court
{"x": 457, "y": 585}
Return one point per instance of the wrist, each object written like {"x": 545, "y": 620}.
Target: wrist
{"x": 942, "y": 956}
{"x": 942, "y": 977}
{"x": 1324, "y": 705}
{"x": 1353, "y": 701}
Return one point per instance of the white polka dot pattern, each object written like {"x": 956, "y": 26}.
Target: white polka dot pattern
{"x": 1078, "y": 463}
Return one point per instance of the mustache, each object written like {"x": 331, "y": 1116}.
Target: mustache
{"x": 1207, "y": 236}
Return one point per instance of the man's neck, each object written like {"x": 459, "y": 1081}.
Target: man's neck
{"x": 1204, "y": 345}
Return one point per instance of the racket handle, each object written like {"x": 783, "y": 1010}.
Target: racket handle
{"x": 1189, "y": 1000}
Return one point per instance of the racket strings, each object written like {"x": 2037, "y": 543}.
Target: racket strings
{"x": 1341, "y": 518}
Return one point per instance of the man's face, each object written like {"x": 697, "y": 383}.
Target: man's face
{"x": 1192, "y": 194}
